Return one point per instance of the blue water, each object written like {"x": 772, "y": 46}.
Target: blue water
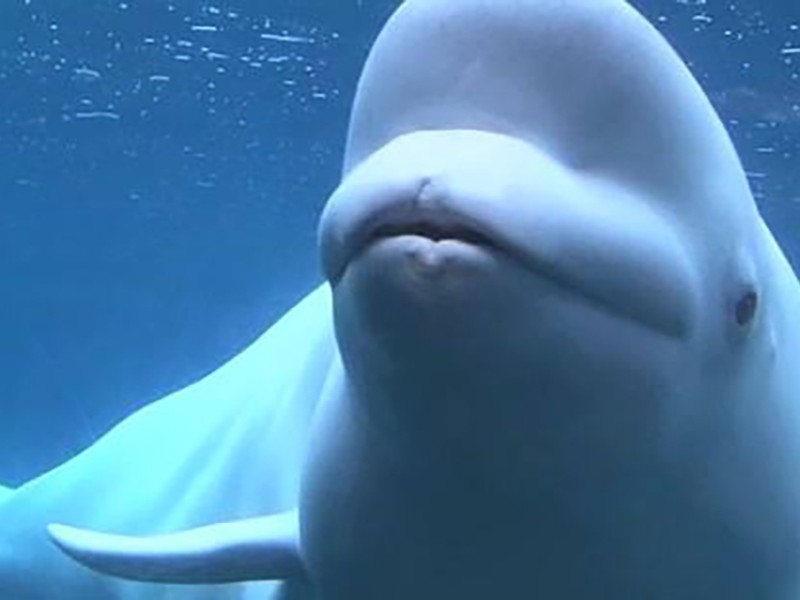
{"x": 163, "y": 165}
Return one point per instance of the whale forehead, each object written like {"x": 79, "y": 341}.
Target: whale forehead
{"x": 548, "y": 71}
{"x": 591, "y": 82}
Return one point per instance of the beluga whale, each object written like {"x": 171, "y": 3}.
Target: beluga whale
{"x": 556, "y": 356}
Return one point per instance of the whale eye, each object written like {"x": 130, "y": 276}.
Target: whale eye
{"x": 746, "y": 308}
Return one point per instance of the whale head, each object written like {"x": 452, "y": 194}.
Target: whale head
{"x": 541, "y": 188}
{"x": 550, "y": 277}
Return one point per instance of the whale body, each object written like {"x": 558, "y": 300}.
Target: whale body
{"x": 555, "y": 356}
{"x": 229, "y": 446}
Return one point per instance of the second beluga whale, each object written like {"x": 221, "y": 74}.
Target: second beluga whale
{"x": 565, "y": 355}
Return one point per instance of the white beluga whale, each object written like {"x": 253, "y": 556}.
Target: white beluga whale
{"x": 555, "y": 357}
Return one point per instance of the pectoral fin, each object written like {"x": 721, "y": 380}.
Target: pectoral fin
{"x": 264, "y": 548}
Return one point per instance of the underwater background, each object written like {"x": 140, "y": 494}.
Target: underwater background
{"x": 163, "y": 165}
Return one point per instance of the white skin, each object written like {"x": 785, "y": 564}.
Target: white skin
{"x": 565, "y": 336}
{"x": 558, "y": 431}
{"x": 597, "y": 409}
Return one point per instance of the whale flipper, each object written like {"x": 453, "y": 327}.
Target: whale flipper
{"x": 264, "y": 548}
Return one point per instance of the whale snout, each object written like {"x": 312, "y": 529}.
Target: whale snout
{"x": 452, "y": 205}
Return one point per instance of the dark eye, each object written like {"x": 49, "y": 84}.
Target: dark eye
{"x": 746, "y": 308}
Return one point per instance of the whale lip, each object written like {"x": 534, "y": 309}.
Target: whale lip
{"x": 430, "y": 229}
{"x": 435, "y": 225}
{"x": 413, "y": 217}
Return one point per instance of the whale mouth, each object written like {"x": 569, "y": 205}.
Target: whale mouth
{"x": 444, "y": 221}
{"x": 617, "y": 256}
{"x": 435, "y": 232}
{"x": 433, "y": 223}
